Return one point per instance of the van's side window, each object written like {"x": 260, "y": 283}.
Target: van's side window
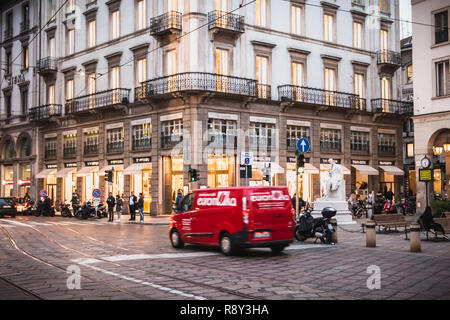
{"x": 187, "y": 202}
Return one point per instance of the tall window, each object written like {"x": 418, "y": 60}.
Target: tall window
{"x": 385, "y": 88}
{"x": 330, "y": 139}
{"x": 51, "y": 8}
{"x": 8, "y": 62}
{"x": 51, "y": 94}
{"x": 25, "y": 63}
{"x": 69, "y": 89}
{"x": 294, "y": 133}
{"x": 359, "y": 87}
{"x": 297, "y": 74}
{"x": 359, "y": 141}
{"x": 91, "y": 89}
{"x": 142, "y": 136}
{"x": 8, "y": 105}
{"x": 221, "y": 5}
{"x": 441, "y": 27}
{"x": 384, "y": 5}
{"x": 330, "y": 86}
{"x": 357, "y": 35}
{"x": 262, "y": 135}
{"x": 50, "y": 148}
{"x": 70, "y": 143}
{"x": 24, "y": 101}
{"x": 141, "y": 14}
{"x": 386, "y": 143}
{"x": 328, "y": 27}
{"x": 114, "y": 78}
{"x": 384, "y": 46}
{"x": 296, "y": 19}
{"x": 70, "y": 6}
{"x": 70, "y": 37}
{"x": 171, "y": 132}
{"x": 114, "y": 140}
{"x": 442, "y": 78}
{"x": 115, "y": 24}
{"x": 262, "y": 75}
{"x": 261, "y": 12}
{"x": 141, "y": 70}
{"x": 52, "y": 47}
{"x": 26, "y": 15}
{"x": 222, "y": 132}
{"x": 91, "y": 33}
{"x": 409, "y": 74}
{"x": 222, "y": 69}
{"x": 91, "y": 142}
{"x": 171, "y": 60}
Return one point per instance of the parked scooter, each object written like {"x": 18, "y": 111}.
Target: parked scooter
{"x": 86, "y": 211}
{"x": 319, "y": 228}
{"x": 45, "y": 208}
{"x": 65, "y": 210}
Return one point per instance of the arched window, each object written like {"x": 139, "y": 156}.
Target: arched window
{"x": 25, "y": 148}
{"x": 10, "y": 153}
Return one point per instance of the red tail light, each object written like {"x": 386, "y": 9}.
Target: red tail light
{"x": 15, "y": 206}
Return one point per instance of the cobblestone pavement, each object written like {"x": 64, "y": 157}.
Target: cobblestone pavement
{"x": 135, "y": 261}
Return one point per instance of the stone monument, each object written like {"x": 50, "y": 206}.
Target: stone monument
{"x": 334, "y": 196}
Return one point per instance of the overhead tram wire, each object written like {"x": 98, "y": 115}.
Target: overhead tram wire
{"x": 241, "y": 5}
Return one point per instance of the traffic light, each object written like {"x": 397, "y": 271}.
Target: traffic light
{"x": 109, "y": 176}
{"x": 301, "y": 161}
{"x": 193, "y": 175}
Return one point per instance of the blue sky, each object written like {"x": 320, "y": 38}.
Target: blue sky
{"x": 405, "y": 14}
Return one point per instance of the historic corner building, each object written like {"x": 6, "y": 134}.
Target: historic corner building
{"x": 132, "y": 85}
{"x": 432, "y": 96}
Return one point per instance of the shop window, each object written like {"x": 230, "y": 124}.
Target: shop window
{"x": 221, "y": 171}
{"x": 70, "y": 145}
{"x": 50, "y": 149}
{"x": 294, "y": 133}
{"x": 359, "y": 141}
{"x": 171, "y": 133}
{"x": 91, "y": 142}
{"x": 386, "y": 143}
{"x": 410, "y": 150}
{"x": 8, "y": 181}
{"x": 262, "y": 136}
{"x": 330, "y": 140}
{"x": 222, "y": 133}
{"x": 114, "y": 140}
{"x": 142, "y": 136}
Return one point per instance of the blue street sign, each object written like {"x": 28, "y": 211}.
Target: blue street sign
{"x": 303, "y": 145}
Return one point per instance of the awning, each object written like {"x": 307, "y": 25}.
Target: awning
{"x": 136, "y": 168}
{"x": 116, "y": 167}
{"x": 365, "y": 169}
{"x": 64, "y": 172}
{"x": 327, "y": 166}
{"x": 45, "y": 173}
{"x": 309, "y": 168}
{"x": 392, "y": 170}
{"x": 85, "y": 171}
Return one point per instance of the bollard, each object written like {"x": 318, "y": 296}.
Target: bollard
{"x": 370, "y": 234}
{"x": 414, "y": 236}
{"x": 334, "y": 237}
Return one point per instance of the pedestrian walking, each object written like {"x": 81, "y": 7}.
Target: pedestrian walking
{"x": 111, "y": 203}
{"x": 119, "y": 204}
{"x": 179, "y": 197}
{"x": 132, "y": 205}
{"x": 140, "y": 206}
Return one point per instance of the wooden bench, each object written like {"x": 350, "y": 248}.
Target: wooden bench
{"x": 389, "y": 220}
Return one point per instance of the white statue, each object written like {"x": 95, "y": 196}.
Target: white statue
{"x": 334, "y": 182}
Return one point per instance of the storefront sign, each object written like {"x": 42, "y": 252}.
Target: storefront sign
{"x": 425, "y": 175}
{"x": 331, "y": 126}
{"x": 262, "y": 119}
{"x": 24, "y": 182}
{"x": 70, "y": 133}
{"x": 114, "y": 125}
{"x": 171, "y": 117}
{"x": 70, "y": 165}
{"x": 8, "y": 182}
{"x": 50, "y": 135}
{"x": 52, "y": 166}
{"x": 91, "y": 163}
{"x": 90, "y": 130}
{"x": 292, "y": 160}
{"x": 387, "y": 131}
{"x": 115, "y": 162}
{"x": 355, "y": 128}
{"x": 18, "y": 79}
{"x": 142, "y": 160}
{"x": 325, "y": 160}
{"x": 360, "y": 162}
{"x": 141, "y": 121}
{"x": 298, "y": 123}
{"x": 224, "y": 116}
{"x": 386, "y": 163}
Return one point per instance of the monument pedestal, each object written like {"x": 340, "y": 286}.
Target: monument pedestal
{"x": 343, "y": 215}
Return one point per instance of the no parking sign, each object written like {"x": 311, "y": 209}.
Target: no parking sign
{"x": 96, "y": 193}
{"x": 43, "y": 193}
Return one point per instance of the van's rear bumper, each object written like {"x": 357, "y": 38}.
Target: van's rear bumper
{"x": 241, "y": 239}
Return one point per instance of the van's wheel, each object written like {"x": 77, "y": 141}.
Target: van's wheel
{"x": 175, "y": 239}
{"x": 226, "y": 245}
{"x": 277, "y": 249}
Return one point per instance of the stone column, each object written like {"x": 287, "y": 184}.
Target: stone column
{"x": 243, "y": 142}
{"x": 282, "y": 146}
{"x": 315, "y": 158}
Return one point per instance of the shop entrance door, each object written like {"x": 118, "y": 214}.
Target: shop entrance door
{"x": 173, "y": 181}
{"x": 51, "y": 191}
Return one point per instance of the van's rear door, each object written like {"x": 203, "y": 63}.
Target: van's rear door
{"x": 270, "y": 210}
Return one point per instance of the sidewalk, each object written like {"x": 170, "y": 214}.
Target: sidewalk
{"x": 148, "y": 220}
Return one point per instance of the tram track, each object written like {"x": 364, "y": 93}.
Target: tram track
{"x": 21, "y": 289}
{"x": 90, "y": 256}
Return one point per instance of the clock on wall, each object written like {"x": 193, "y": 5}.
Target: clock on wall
{"x": 425, "y": 162}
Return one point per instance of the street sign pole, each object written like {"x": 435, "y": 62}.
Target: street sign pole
{"x": 296, "y": 187}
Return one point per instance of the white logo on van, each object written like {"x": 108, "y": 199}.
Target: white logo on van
{"x": 222, "y": 199}
{"x": 275, "y": 195}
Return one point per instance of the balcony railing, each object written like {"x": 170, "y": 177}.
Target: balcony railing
{"x": 321, "y": 97}
{"x": 8, "y": 34}
{"x": 224, "y": 20}
{"x": 114, "y": 146}
{"x": 50, "y": 154}
{"x": 69, "y": 152}
{"x": 224, "y": 141}
{"x": 291, "y": 144}
{"x": 98, "y": 100}
{"x": 90, "y": 149}
{"x": 196, "y": 81}
{"x": 264, "y": 91}
{"x": 47, "y": 64}
{"x": 390, "y": 150}
{"x": 359, "y": 148}
{"x": 171, "y": 141}
{"x": 392, "y": 106}
{"x": 165, "y": 23}
{"x": 333, "y": 146}
{"x": 24, "y": 25}
{"x": 45, "y": 112}
{"x": 389, "y": 57}
{"x": 141, "y": 143}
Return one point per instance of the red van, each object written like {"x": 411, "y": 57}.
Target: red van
{"x": 234, "y": 218}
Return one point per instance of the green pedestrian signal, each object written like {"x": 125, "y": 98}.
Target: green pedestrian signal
{"x": 193, "y": 175}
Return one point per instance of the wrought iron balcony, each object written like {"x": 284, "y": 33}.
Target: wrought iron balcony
{"x": 90, "y": 149}
{"x": 47, "y": 65}
{"x": 45, "y": 112}
{"x": 50, "y": 154}
{"x": 196, "y": 81}
{"x": 331, "y": 146}
{"x": 69, "y": 152}
{"x": 24, "y": 25}
{"x": 114, "y": 146}
{"x": 223, "y": 20}
{"x": 171, "y": 141}
{"x": 387, "y": 150}
{"x": 223, "y": 141}
{"x": 392, "y": 106}
{"x": 8, "y": 34}
{"x": 143, "y": 143}
{"x": 321, "y": 97}
{"x": 264, "y": 91}
{"x": 165, "y": 23}
{"x": 388, "y": 61}
{"x": 101, "y": 99}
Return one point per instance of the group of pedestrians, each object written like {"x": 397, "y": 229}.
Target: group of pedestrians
{"x": 118, "y": 204}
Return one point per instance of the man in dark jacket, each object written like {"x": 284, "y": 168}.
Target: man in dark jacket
{"x": 140, "y": 206}
{"x": 111, "y": 201}
{"x": 132, "y": 203}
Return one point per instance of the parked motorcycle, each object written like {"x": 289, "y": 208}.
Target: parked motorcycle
{"x": 45, "y": 208}
{"x": 318, "y": 228}
{"x": 65, "y": 210}
{"x": 86, "y": 211}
